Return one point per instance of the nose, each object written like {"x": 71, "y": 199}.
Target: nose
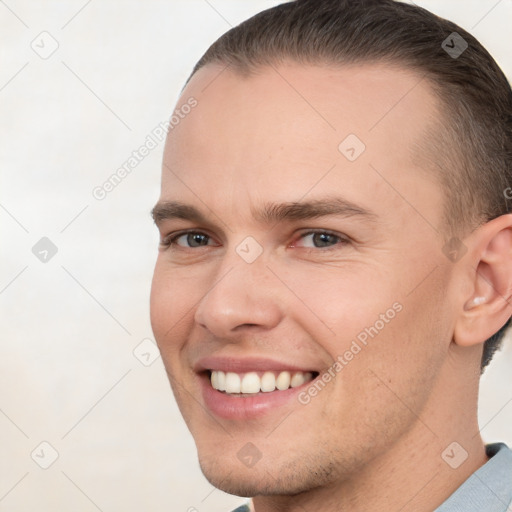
{"x": 242, "y": 297}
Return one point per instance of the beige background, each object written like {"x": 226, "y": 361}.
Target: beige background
{"x": 72, "y": 326}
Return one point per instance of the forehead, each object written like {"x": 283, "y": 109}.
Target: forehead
{"x": 367, "y": 98}
{"x": 279, "y": 130}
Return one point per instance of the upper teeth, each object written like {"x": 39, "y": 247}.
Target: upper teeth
{"x": 252, "y": 382}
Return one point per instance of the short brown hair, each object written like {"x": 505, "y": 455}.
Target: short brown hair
{"x": 471, "y": 147}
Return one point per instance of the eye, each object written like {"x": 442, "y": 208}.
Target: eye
{"x": 188, "y": 240}
{"x": 320, "y": 239}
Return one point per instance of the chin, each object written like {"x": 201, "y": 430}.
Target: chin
{"x": 226, "y": 473}
{"x": 264, "y": 478}
{"x": 235, "y": 485}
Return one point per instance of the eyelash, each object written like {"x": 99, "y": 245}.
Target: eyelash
{"x": 170, "y": 241}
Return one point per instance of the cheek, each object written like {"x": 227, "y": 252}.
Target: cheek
{"x": 160, "y": 303}
{"x": 340, "y": 302}
{"x": 400, "y": 363}
{"x": 169, "y": 303}
{"x": 381, "y": 334}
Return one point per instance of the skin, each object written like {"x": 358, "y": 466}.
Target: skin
{"x": 373, "y": 437}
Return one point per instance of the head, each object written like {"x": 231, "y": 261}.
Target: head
{"x": 334, "y": 207}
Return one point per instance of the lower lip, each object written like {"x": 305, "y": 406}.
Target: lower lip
{"x": 246, "y": 407}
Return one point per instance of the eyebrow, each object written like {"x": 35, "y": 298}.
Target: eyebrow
{"x": 270, "y": 213}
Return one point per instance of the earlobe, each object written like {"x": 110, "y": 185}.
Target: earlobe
{"x": 489, "y": 269}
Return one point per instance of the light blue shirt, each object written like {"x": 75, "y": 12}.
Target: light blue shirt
{"x": 489, "y": 489}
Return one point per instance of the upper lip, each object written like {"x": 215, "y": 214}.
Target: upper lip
{"x": 246, "y": 364}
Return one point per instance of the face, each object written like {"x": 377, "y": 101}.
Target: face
{"x": 300, "y": 271}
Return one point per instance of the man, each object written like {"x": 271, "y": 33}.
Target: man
{"x": 335, "y": 263}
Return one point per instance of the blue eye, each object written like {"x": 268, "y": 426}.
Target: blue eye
{"x": 319, "y": 239}
{"x": 188, "y": 240}
{"x": 196, "y": 239}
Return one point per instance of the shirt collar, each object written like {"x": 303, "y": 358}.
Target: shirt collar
{"x": 489, "y": 488}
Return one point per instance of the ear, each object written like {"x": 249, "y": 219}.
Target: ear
{"x": 489, "y": 262}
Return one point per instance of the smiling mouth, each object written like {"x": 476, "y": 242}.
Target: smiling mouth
{"x": 253, "y": 383}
